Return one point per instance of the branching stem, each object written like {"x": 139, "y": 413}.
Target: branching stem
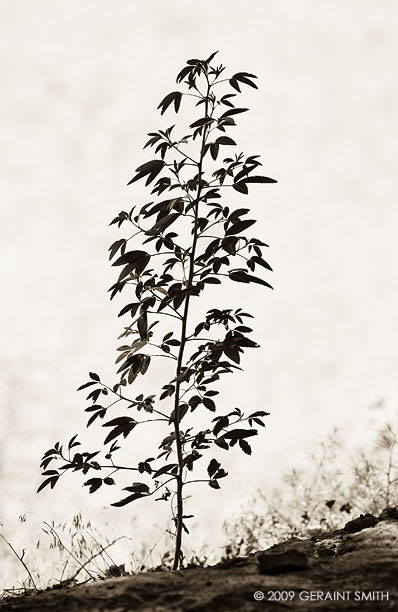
{"x": 177, "y": 555}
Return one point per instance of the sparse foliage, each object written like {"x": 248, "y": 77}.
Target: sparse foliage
{"x": 322, "y": 496}
{"x": 64, "y": 554}
{"x": 179, "y": 245}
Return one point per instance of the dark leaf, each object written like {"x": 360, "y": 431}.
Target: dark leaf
{"x": 184, "y": 72}
{"x": 224, "y": 140}
{"x": 86, "y": 385}
{"x": 201, "y": 122}
{"x": 142, "y": 326}
{"x": 146, "y": 360}
{"x": 206, "y": 62}
{"x": 213, "y": 466}
{"x": 210, "y": 405}
{"x": 131, "y": 257}
{"x": 221, "y": 443}
{"x": 233, "y": 111}
{"x": 137, "y": 487}
{"x": 225, "y": 100}
{"x": 194, "y": 401}
{"x": 241, "y": 187}
{"x": 214, "y": 484}
{"x": 150, "y": 169}
{"x": 94, "y": 484}
{"x": 174, "y": 96}
{"x": 72, "y": 443}
{"x": 232, "y": 353}
{"x": 49, "y": 481}
{"x": 242, "y": 77}
{"x": 221, "y": 423}
{"x": 162, "y": 224}
{"x": 240, "y": 276}
{"x": 132, "y": 308}
{"x": 189, "y": 459}
{"x": 123, "y": 429}
{"x": 245, "y": 446}
{"x": 100, "y": 413}
{"x": 169, "y": 467}
{"x": 214, "y": 148}
{"x": 259, "y": 179}
{"x": 243, "y": 329}
{"x": 239, "y": 227}
{"x": 212, "y": 280}
{"x": 234, "y": 83}
{"x": 168, "y": 440}
{"x": 128, "y": 500}
{"x": 119, "y": 421}
{"x": 238, "y": 434}
{"x": 183, "y": 409}
{"x": 115, "y": 247}
{"x": 150, "y": 166}
{"x": 259, "y": 413}
{"x": 261, "y": 262}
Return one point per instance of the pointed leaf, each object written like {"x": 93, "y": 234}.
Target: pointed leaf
{"x": 241, "y": 187}
{"x": 213, "y": 466}
{"x": 94, "y": 484}
{"x": 245, "y": 446}
{"x": 239, "y": 227}
{"x": 162, "y": 224}
{"x": 166, "y": 468}
{"x": 174, "y": 96}
{"x": 214, "y": 484}
{"x": 92, "y": 382}
{"x": 131, "y": 257}
{"x": 128, "y": 499}
{"x": 224, "y": 140}
{"x": 259, "y": 179}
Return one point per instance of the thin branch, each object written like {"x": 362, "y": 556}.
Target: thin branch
{"x": 195, "y": 163}
{"x": 167, "y": 314}
{"x": 199, "y": 480}
{"x": 127, "y": 399}
{"x": 169, "y": 356}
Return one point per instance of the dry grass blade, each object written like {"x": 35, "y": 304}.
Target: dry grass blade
{"x": 20, "y": 559}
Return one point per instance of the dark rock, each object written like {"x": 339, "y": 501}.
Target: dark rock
{"x": 278, "y": 563}
{"x": 234, "y": 561}
{"x": 389, "y": 514}
{"x": 325, "y": 551}
{"x": 362, "y": 522}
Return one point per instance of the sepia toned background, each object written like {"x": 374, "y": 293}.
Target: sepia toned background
{"x": 80, "y": 83}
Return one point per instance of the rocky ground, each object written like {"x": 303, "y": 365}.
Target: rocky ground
{"x": 355, "y": 568}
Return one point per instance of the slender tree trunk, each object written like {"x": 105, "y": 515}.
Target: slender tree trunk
{"x": 180, "y": 503}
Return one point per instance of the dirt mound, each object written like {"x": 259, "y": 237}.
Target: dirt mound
{"x": 354, "y": 568}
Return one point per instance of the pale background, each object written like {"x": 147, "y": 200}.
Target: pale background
{"x": 80, "y": 82}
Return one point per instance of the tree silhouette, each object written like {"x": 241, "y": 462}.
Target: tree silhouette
{"x": 179, "y": 247}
